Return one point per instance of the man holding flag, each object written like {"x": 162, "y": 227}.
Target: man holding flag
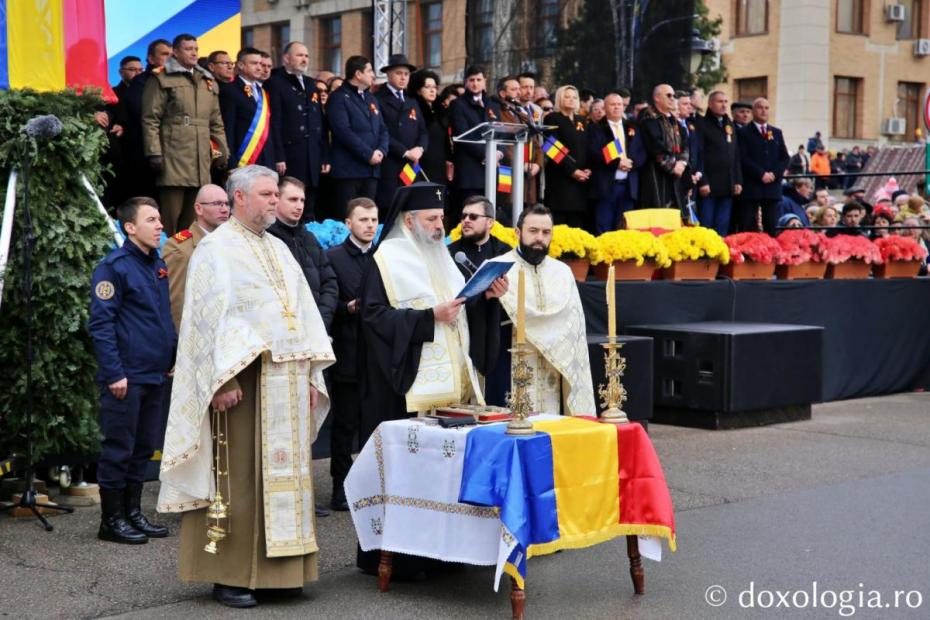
{"x": 247, "y": 114}
{"x": 406, "y": 128}
{"x": 610, "y": 165}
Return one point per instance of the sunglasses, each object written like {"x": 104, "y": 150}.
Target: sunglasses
{"x": 547, "y": 109}
{"x": 473, "y": 216}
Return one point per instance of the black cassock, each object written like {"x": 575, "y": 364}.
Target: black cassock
{"x": 389, "y": 356}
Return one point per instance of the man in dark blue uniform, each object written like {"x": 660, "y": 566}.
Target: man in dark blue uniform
{"x": 405, "y": 124}
{"x": 360, "y": 137}
{"x": 467, "y": 112}
{"x": 298, "y": 125}
{"x": 134, "y": 342}
{"x": 240, "y": 103}
{"x": 349, "y": 261}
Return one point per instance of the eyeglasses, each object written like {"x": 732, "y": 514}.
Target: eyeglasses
{"x": 214, "y": 203}
{"x": 547, "y": 108}
{"x": 473, "y": 216}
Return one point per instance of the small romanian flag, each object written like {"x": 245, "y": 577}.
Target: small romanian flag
{"x": 555, "y": 150}
{"x": 409, "y": 174}
{"x": 612, "y": 150}
{"x": 504, "y": 179}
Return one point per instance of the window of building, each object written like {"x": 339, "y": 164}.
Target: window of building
{"x": 846, "y": 107}
{"x": 331, "y": 45}
{"x": 482, "y": 30}
{"x": 752, "y": 17}
{"x": 432, "y": 35}
{"x": 547, "y": 35}
{"x": 280, "y": 36}
{"x": 908, "y": 107}
{"x": 248, "y": 37}
{"x": 849, "y": 16}
{"x": 910, "y": 27}
{"x": 751, "y": 88}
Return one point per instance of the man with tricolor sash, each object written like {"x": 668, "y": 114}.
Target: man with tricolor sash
{"x": 182, "y": 131}
{"x": 555, "y": 325}
{"x": 247, "y": 113}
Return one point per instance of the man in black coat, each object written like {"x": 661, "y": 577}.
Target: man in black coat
{"x": 405, "y": 124}
{"x": 763, "y": 157}
{"x": 306, "y": 249}
{"x": 360, "y": 137}
{"x": 610, "y": 181}
{"x": 661, "y": 180}
{"x": 298, "y": 124}
{"x": 349, "y": 261}
{"x": 476, "y": 242}
{"x": 468, "y": 111}
{"x": 239, "y": 105}
{"x": 723, "y": 174}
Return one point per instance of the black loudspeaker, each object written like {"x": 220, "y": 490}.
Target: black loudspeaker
{"x": 729, "y": 375}
{"x": 638, "y": 376}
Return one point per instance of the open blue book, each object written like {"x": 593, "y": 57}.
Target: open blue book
{"x": 484, "y": 277}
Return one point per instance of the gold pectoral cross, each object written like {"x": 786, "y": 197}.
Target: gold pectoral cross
{"x": 290, "y": 316}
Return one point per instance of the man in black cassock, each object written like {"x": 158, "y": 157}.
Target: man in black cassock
{"x": 409, "y": 305}
{"x": 662, "y": 177}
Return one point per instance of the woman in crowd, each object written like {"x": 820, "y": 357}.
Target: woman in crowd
{"x": 597, "y": 111}
{"x": 827, "y": 216}
{"x": 566, "y": 181}
{"x": 788, "y": 221}
{"x": 424, "y": 85}
{"x": 881, "y": 218}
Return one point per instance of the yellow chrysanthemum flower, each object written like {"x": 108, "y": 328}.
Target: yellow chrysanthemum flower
{"x": 498, "y": 231}
{"x": 695, "y": 242}
{"x": 619, "y": 245}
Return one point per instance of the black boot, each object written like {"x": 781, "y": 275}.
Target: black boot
{"x": 134, "y": 513}
{"x": 338, "y": 501}
{"x": 232, "y": 596}
{"x": 113, "y": 524}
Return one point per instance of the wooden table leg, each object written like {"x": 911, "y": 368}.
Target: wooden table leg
{"x": 636, "y": 565}
{"x": 517, "y": 599}
{"x": 385, "y": 566}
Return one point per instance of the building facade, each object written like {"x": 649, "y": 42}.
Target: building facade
{"x": 505, "y": 36}
{"x": 855, "y": 70}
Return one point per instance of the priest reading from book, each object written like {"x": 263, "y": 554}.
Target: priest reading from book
{"x": 415, "y": 344}
{"x": 249, "y": 372}
{"x": 555, "y": 327}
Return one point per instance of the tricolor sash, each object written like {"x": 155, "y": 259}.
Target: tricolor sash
{"x": 255, "y": 138}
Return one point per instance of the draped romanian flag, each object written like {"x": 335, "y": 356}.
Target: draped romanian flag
{"x": 504, "y": 179}
{"x": 257, "y": 135}
{"x": 612, "y": 150}
{"x": 50, "y": 45}
{"x": 574, "y": 484}
{"x": 555, "y": 150}
{"x": 409, "y": 174}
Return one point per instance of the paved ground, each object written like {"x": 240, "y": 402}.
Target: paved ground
{"x": 831, "y": 511}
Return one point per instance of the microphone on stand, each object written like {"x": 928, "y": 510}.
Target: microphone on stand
{"x": 462, "y": 260}
{"x": 43, "y": 127}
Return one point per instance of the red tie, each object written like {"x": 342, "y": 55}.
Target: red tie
{"x": 762, "y": 129}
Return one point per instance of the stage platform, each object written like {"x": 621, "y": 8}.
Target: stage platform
{"x": 876, "y": 336}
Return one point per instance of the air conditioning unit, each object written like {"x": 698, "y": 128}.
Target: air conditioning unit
{"x": 894, "y": 126}
{"x": 895, "y": 12}
{"x": 922, "y": 47}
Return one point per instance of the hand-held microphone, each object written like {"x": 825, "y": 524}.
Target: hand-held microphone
{"x": 462, "y": 260}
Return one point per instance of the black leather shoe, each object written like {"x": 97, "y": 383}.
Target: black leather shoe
{"x": 113, "y": 524}
{"x": 339, "y": 501}
{"x": 321, "y": 511}
{"x": 133, "y": 499}
{"x": 231, "y": 596}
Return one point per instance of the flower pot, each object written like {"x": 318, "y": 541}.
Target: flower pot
{"x": 700, "y": 269}
{"x": 853, "y": 269}
{"x": 748, "y": 270}
{"x": 897, "y": 269}
{"x": 626, "y": 270}
{"x": 804, "y": 271}
{"x": 579, "y": 267}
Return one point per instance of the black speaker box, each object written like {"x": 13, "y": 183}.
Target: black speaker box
{"x": 637, "y": 378}
{"x": 729, "y": 375}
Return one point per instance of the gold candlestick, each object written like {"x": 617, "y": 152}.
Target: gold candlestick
{"x": 613, "y": 395}
{"x": 519, "y": 398}
{"x": 611, "y": 304}
{"x": 521, "y": 308}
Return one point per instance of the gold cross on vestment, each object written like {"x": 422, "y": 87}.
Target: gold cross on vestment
{"x": 291, "y": 323}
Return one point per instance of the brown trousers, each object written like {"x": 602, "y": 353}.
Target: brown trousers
{"x": 176, "y": 205}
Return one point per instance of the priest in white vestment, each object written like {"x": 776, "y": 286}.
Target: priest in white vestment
{"x": 252, "y": 345}
{"x": 555, "y": 326}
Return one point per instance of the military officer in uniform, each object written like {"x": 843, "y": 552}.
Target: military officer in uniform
{"x": 134, "y": 343}
{"x": 405, "y": 124}
{"x": 298, "y": 124}
{"x": 212, "y": 209}
{"x": 182, "y": 131}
